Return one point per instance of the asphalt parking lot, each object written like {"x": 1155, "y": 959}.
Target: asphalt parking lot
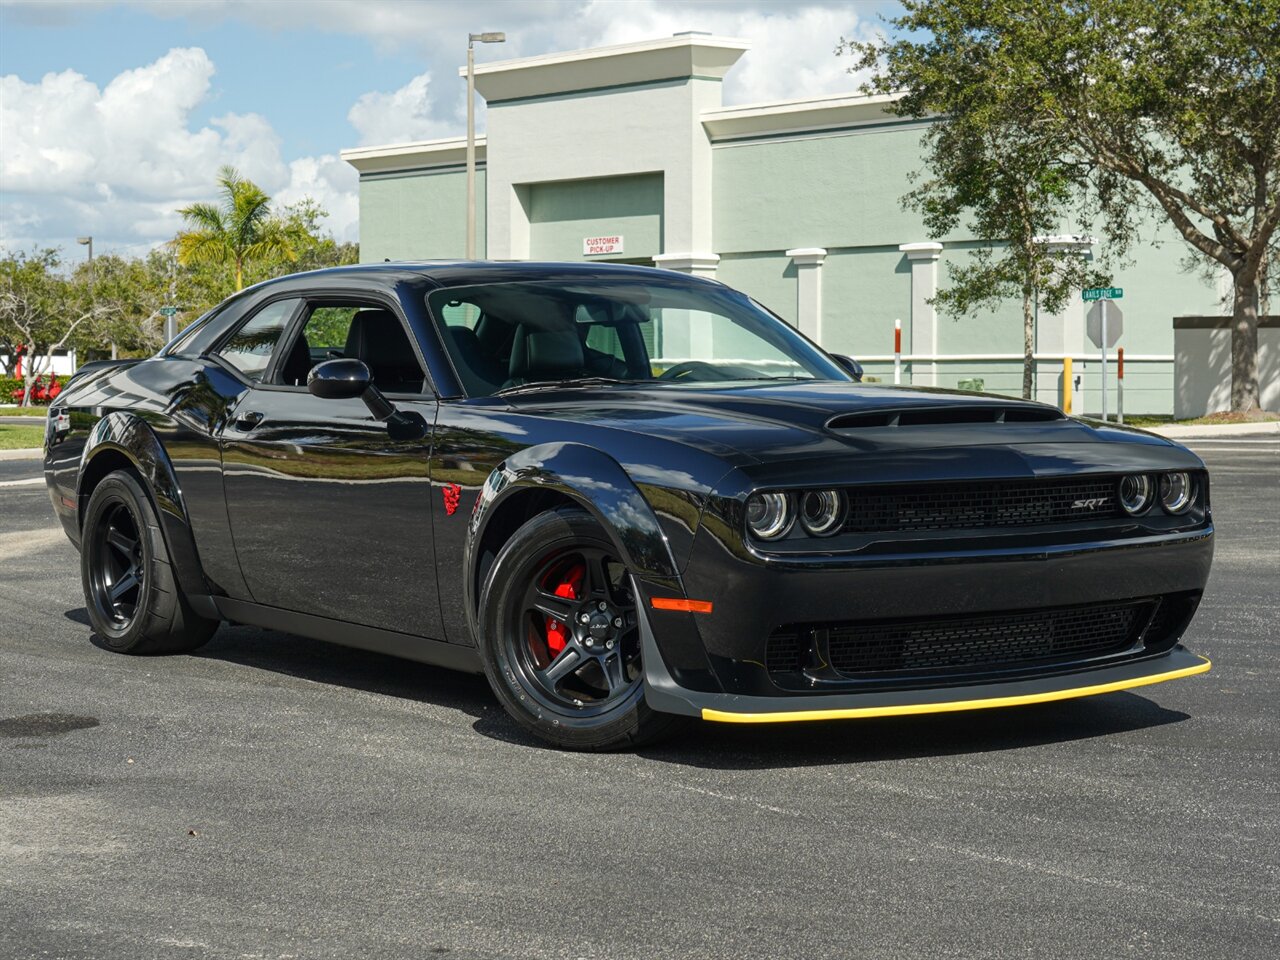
{"x": 279, "y": 797}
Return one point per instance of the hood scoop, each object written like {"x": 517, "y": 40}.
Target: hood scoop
{"x": 926, "y": 416}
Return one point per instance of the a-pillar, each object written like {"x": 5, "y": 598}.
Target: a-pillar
{"x": 808, "y": 261}
{"x": 923, "y": 258}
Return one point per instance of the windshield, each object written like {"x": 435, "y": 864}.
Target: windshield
{"x": 509, "y": 336}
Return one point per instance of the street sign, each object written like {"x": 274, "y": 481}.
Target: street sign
{"x": 1093, "y": 326}
{"x": 168, "y": 311}
{"x": 1102, "y": 293}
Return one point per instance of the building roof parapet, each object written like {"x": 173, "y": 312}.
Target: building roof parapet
{"x": 797, "y": 116}
{"x": 414, "y": 155}
{"x": 648, "y": 61}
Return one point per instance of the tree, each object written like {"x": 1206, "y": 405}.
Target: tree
{"x": 127, "y": 294}
{"x": 1011, "y": 183}
{"x": 40, "y": 309}
{"x": 1169, "y": 110}
{"x": 240, "y": 231}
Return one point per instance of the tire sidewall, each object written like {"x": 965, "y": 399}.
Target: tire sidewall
{"x": 116, "y": 488}
{"x": 505, "y": 585}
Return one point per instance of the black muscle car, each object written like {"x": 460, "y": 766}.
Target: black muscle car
{"x": 627, "y": 496}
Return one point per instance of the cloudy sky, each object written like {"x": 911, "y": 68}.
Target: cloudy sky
{"x": 112, "y": 115}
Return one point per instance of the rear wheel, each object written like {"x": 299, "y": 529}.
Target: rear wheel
{"x": 560, "y": 637}
{"x": 129, "y": 587}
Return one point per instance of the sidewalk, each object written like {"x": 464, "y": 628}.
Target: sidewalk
{"x": 30, "y": 453}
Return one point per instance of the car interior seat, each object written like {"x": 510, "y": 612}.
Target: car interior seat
{"x": 294, "y": 370}
{"x": 539, "y": 354}
{"x": 378, "y": 338}
{"x": 481, "y": 373}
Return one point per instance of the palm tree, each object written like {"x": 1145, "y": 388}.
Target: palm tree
{"x": 240, "y": 229}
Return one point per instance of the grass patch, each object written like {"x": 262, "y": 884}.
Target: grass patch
{"x": 1223, "y": 416}
{"x": 1152, "y": 420}
{"x": 23, "y": 411}
{"x": 1227, "y": 416}
{"x": 20, "y": 437}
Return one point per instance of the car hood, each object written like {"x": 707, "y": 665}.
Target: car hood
{"x": 787, "y": 421}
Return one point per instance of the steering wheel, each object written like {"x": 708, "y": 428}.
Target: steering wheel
{"x": 682, "y": 370}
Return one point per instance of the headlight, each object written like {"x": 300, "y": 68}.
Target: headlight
{"x": 769, "y": 515}
{"x": 1135, "y": 493}
{"x": 1176, "y": 492}
{"x": 821, "y": 512}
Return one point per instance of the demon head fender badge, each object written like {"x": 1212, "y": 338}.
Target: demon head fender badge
{"x": 452, "y": 493}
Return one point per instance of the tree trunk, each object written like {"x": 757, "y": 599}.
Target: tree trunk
{"x": 1028, "y": 341}
{"x": 1244, "y": 344}
{"x": 239, "y": 275}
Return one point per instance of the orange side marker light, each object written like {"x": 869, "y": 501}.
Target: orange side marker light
{"x": 685, "y": 606}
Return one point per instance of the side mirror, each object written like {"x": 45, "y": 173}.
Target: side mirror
{"x": 850, "y": 364}
{"x": 339, "y": 379}
{"x": 347, "y": 378}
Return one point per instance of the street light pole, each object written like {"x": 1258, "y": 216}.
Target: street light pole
{"x": 88, "y": 242}
{"x": 471, "y": 133}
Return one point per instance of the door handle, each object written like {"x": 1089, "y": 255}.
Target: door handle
{"x": 247, "y": 421}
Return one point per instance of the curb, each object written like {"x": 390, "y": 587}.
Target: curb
{"x": 1204, "y": 431}
{"x": 30, "y": 453}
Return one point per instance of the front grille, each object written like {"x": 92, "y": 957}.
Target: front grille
{"x": 998, "y": 641}
{"x": 978, "y": 505}
{"x": 925, "y": 645}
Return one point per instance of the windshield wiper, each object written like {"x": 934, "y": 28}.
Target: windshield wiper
{"x": 554, "y": 384}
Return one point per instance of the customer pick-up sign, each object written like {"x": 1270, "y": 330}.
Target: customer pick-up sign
{"x": 594, "y": 246}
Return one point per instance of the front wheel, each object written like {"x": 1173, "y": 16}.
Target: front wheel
{"x": 560, "y": 637}
{"x": 130, "y": 590}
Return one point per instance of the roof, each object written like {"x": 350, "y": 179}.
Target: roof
{"x": 455, "y": 273}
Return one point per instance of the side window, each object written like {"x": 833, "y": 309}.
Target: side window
{"x": 361, "y": 331}
{"x": 327, "y": 331}
{"x": 249, "y": 349}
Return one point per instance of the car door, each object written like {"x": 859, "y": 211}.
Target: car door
{"x": 328, "y": 514}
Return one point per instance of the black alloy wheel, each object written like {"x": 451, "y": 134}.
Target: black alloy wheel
{"x": 560, "y": 636}
{"x": 579, "y": 649}
{"x": 118, "y": 570}
{"x": 130, "y": 591}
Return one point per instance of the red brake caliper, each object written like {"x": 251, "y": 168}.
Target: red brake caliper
{"x": 569, "y": 587}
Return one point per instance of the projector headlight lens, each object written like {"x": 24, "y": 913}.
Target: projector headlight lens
{"x": 1135, "y": 493}
{"x": 1176, "y": 492}
{"x": 769, "y": 515}
{"x": 821, "y": 512}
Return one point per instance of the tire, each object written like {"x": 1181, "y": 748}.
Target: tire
{"x": 579, "y": 686}
{"x": 133, "y": 600}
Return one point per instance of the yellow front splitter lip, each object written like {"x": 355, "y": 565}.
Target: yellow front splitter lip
{"x": 909, "y": 709}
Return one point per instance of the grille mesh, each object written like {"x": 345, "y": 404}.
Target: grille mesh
{"x": 990, "y": 503}
{"x": 943, "y": 644}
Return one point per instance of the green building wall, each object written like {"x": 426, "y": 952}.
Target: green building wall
{"x": 842, "y": 191}
{"x": 418, "y": 215}
{"x": 564, "y": 212}
{"x": 838, "y": 190}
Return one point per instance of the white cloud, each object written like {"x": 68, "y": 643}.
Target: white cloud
{"x": 402, "y": 115}
{"x": 331, "y": 182}
{"x": 118, "y": 162}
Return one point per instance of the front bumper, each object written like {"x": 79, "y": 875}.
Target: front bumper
{"x": 663, "y": 694}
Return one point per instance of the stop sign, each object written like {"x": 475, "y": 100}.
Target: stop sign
{"x": 1115, "y": 323}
